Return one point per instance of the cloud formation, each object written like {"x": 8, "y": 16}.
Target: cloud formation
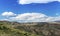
{"x": 29, "y": 17}
{"x": 35, "y": 1}
{"x": 8, "y": 14}
{"x": 34, "y": 17}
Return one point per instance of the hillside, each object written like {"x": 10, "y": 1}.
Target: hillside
{"x": 29, "y": 29}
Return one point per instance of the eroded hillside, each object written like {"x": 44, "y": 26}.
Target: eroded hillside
{"x": 29, "y": 29}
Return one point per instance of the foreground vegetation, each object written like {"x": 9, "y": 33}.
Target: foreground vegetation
{"x": 29, "y": 29}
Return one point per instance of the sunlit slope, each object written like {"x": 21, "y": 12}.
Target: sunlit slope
{"x": 29, "y": 29}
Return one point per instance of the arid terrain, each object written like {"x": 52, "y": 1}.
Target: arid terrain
{"x": 29, "y": 29}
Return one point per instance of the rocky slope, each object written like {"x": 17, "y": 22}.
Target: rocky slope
{"x": 29, "y": 29}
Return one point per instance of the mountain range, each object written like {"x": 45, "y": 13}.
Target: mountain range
{"x": 8, "y": 28}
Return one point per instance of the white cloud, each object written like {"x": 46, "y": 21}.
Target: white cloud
{"x": 4, "y": 19}
{"x": 8, "y": 14}
{"x": 35, "y": 1}
{"x": 30, "y": 17}
{"x": 34, "y": 17}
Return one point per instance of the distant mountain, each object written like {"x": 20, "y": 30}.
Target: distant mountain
{"x": 29, "y": 29}
{"x": 57, "y": 21}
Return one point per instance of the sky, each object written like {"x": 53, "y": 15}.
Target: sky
{"x": 30, "y": 10}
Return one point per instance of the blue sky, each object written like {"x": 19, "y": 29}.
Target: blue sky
{"x": 18, "y": 7}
